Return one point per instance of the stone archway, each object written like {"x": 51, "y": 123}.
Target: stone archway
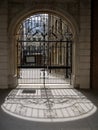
{"x": 12, "y": 30}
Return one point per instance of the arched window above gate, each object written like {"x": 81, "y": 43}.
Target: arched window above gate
{"x": 44, "y": 27}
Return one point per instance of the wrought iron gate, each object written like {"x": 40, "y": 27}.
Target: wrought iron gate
{"x": 44, "y": 50}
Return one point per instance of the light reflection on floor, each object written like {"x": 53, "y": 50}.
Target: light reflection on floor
{"x": 36, "y": 76}
{"x": 54, "y": 104}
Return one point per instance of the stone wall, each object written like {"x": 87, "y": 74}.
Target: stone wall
{"x": 3, "y": 45}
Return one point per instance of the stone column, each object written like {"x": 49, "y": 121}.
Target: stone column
{"x": 13, "y": 81}
{"x": 84, "y": 44}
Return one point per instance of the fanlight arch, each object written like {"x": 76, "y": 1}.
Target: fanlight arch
{"x": 51, "y": 24}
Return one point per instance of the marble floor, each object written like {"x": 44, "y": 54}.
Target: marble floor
{"x": 50, "y": 104}
{"x": 13, "y": 118}
{"x": 53, "y": 106}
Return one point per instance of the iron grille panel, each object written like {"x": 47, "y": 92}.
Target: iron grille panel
{"x": 44, "y": 50}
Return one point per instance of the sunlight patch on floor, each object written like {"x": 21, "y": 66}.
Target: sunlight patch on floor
{"x": 60, "y": 104}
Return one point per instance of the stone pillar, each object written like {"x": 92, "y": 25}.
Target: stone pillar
{"x": 3, "y": 45}
{"x": 12, "y": 62}
{"x": 94, "y": 47}
{"x": 84, "y": 44}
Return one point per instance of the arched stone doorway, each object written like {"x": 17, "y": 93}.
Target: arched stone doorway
{"x": 13, "y": 43}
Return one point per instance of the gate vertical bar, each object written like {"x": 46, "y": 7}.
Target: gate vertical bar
{"x": 67, "y": 58}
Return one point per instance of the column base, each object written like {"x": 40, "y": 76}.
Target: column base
{"x": 13, "y": 81}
